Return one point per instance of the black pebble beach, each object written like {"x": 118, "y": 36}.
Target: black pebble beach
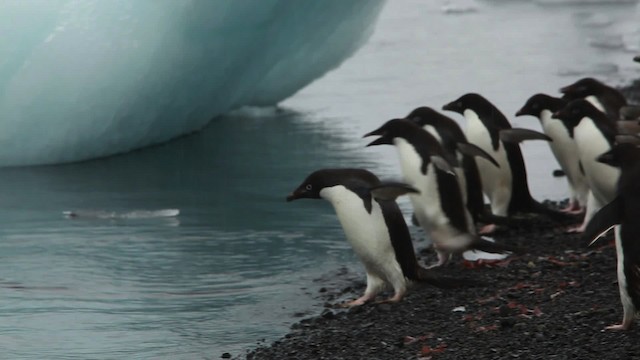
{"x": 553, "y": 302}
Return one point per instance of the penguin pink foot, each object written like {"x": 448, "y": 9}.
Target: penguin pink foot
{"x": 573, "y": 208}
{"x": 396, "y": 298}
{"x": 578, "y": 229}
{"x": 487, "y": 229}
{"x": 443, "y": 258}
{"x": 357, "y": 302}
{"x": 619, "y": 327}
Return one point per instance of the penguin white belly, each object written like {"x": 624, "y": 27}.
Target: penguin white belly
{"x": 496, "y": 181}
{"x": 601, "y": 178}
{"x": 367, "y": 233}
{"x": 427, "y": 204}
{"x": 565, "y": 150}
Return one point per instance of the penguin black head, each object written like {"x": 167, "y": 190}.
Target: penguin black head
{"x": 539, "y": 102}
{"x": 394, "y": 128}
{"x": 473, "y": 101}
{"x": 421, "y": 115}
{"x": 427, "y": 116}
{"x": 583, "y": 88}
{"x": 320, "y": 179}
{"x": 621, "y": 154}
{"x": 575, "y": 111}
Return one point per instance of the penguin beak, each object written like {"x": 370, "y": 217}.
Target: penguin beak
{"x": 382, "y": 140}
{"x": 521, "y": 112}
{"x": 452, "y": 107}
{"x": 606, "y": 158}
{"x": 637, "y": 59}
{"x": 565, "y": 89}
{"x": 299, "y": 193}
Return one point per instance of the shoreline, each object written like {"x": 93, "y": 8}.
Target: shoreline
{"x": 552, "y": 302}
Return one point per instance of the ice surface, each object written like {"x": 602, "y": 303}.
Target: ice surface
{"x": 87, "y": 78}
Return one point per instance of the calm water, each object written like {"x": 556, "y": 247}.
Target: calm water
{"x": 238, "y": 264}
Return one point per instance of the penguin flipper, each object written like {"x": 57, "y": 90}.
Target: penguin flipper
{"x": 606, "y": 218}
{"x": 442, "y": 164}
{"x": 517, "y": 135}
{"x": 473, "y": 150}
{"x": 389, "y": 190}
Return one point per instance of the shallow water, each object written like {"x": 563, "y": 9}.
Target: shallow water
{"x": 238, "y": 264}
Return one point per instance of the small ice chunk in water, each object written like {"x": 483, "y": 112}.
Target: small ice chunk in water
{"x": 135, "y": 214}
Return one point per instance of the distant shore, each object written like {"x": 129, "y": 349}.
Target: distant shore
{"x": 552, "y": 303}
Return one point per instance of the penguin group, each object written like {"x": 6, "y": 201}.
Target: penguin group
{"x": 449, "y": 170}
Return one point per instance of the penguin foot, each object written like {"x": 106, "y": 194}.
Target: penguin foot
{"x": 487, "y": 229}
{"x": 573, "y": 209}
{"x": 396, "y": 298}
{"x": 443, "y": 258}
{"x": 619, "y": 327}
{"x": 357, "y": 302}
{"x": 579, "y": 229}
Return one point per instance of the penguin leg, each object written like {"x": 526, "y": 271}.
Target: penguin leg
{"x": 573, "y": 207}
{"x": 592, "y": 208}
{"x": 628, "y": 316}
{"x": 443, "y": 258}
{"x": 399, "y": 283}
{"x": 374, "y": 286}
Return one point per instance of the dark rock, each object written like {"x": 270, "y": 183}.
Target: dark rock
{"x": 226, "y": 356}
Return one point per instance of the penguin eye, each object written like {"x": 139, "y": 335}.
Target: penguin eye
{"x": 535, "y": 106}
{"x": 308, "y": 187}
{"x": 459, "y": 104}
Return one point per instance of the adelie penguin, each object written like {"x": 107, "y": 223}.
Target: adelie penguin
{"x": 506, "y": 186}
{"x": 623, "y": 213}
{"x": 594, "y": 133}
{"x": 374, "y": 226}
{"x": 605, "y": 98}
{"x": 455, "y": 143}
{"x": 439, "y": 206}
{"x": 563, "y": 146}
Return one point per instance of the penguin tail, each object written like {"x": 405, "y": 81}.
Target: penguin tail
{"x": 481, "y": 244}
{"x": 427, "y": 276}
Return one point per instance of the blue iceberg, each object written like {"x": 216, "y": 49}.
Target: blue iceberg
{"x": 86, "y": 79}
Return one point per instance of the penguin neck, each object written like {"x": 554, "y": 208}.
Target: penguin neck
{"x": 432, "y": 130}
{"x": 410, "y": 160}
{"x": 593, "y": 99}
{"x": 346, "y": 203}
{"x": 550, "y": 125}
{"x": 478, "y": 130}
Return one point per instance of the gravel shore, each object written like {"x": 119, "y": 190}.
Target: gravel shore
{"x": 552, "y": 302}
